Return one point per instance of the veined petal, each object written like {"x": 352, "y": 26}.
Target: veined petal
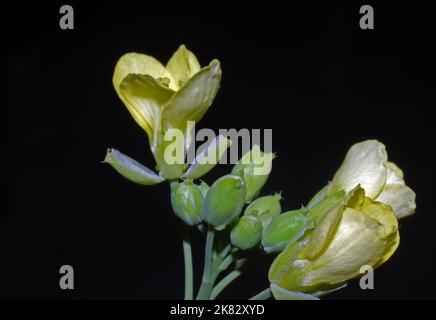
{"x": 140, "y": 64}
{"x": 394, "y": 175}
{"x": 400, "y": 197}
{"x": 364, "y": 164}
{"x": 382, "y": 213}
{"x": 328, "y": 220}
{"x": 320, "y": 237}
{"x": 183, "y": 65}
{"x": 359, "y": 240}
{"x": 193, "y": 99}
{"x": 144, "y": 96}
{"x": 282, "y": 265}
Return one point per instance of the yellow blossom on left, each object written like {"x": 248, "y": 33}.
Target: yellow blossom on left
{"x": 161, "y": 98}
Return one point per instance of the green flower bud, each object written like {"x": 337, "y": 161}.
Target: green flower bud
{"x": 224, "y": 201}
{"x": 246, "y": 233}
{"x": 265, "y": 219}
{"x": 263, "y": 204}
{"x": 286, "y": 228}
{"x": 204, "y": 188}
{"x": 209, "y": 158}
{"x": 254, "y": 167}
{"x": 319, "y": 196}
{"x": 131, "y": 169}
{"x": 187, "y": 200}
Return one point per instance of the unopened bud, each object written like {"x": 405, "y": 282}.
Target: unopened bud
{"x": 187, "y": 201}
{"x": 287, "y": 227}
{"x": 224, "y": 201}
{"x": 247, "y": 233}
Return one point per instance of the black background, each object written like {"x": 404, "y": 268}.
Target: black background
{"x": 308, "y": 72}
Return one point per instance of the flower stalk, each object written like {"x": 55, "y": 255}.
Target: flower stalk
{"x": 263, "y": 295}
{"x": 187, "y": 256}
{"x": 208, "y": 279}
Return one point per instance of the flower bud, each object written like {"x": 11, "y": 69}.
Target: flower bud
{"x": 265, "y": 219}
{"x": 246, "y": 233}
{"x": 263, "y": 204}
{"x": 204, "y": 188}
{"x": 319, "y": 196}
{"x": 254, "y": 167}
{"x": 224, "y": 201}
{"x": 209, "y": 158}
{"x": 187, "y": 200}
{"x": 286, "y": 228}
{"x": 131, "y": 169}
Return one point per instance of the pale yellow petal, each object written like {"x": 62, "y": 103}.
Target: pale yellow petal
{"x": 192, "y": 100}
{"x": 400, "y": 197}
{"x": 326, "y": 228}
{"x": 282, "y": 270}
{"x": 395, "y": 175}
{"x": 364, "y": 165}
{"x": 140, "y": 64}
{"x": 358, "y": 241}
{"x": 183, "y": 65}
{"x": 323, "y": 232}
{"x": 384, "y": 215}
{"x": 144, "y": 96}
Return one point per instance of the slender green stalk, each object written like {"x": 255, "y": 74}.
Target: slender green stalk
{"x": 187, "y": 255}
{"x": 208, "y": 278}
{"x": 225, "y": 263}
{"x": 224, "y": 283}
{"x": 263, "y": 295}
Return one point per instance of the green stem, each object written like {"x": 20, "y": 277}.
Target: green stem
{"x": 208, "y": 279}
{"x": 187, "y": 255}
{"x": 263, "y": 295}
{"x": 224, "y": 283}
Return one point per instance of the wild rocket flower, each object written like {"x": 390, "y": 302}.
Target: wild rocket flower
{"x": 366, "y": 164}
{"x": 355, "y": 232}
{"x": 352, "y": 222}
{"x": 160, "y": 99}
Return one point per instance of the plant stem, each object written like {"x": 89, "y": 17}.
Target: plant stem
{"x": 263, "y": 295}
{"x": 187, "y": 255}
{"x": 208, "y": 279}
{"x": 224, "y": 283}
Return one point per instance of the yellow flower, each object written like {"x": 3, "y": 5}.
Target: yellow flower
{"x": 366, "y": 164}
{"x": 161, "y": 98}
{"x": 357, "y": 231}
